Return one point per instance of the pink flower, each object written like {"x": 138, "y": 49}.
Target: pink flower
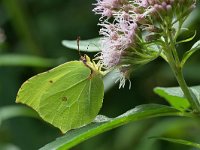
{"x": 125, "y": 27}
{"x": 107, "y": 7}
{"x": 118, "y": 36}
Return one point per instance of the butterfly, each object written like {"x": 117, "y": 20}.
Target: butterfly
{"x": 68, "y": 96}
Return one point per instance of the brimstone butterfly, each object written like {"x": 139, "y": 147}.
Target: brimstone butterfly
{"x": 68, "y": 96}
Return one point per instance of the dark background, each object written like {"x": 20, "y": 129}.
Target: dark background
{"x": 34, "y": 27}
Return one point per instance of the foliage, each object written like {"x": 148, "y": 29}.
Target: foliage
{"x": 30, "y": 43}
{"x": 103, "y": 123}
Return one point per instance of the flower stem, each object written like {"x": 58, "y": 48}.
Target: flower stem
{"x": 175, "y": 65}
{"x": 187, "y": 92}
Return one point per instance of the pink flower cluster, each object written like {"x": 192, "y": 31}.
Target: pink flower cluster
{"x": 117, "y": 37}
{"x": 108, "y": 7}
{"x": 124, "y": 24}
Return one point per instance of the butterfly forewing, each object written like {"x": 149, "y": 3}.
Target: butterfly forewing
{"x": 67, "y": 96}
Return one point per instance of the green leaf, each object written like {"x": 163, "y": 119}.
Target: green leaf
{"x": 8, "y": 112}
{"x": 68, "y": 96}
{"x": 103, "y": 124}
{"x": 26, "y": 60}
{"x": 179, "y": 141}
{"x": 187, "y": 55}
{"x": 8, "y": 146}
{"x": 173, "y": 126}
{"x": 175, "y": 96}
{"x": 188, "y": 39}
{"x": 91, "y": 45}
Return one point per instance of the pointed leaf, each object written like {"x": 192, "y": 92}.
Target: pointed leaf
{"x": 8, "y": 146}
{"x": 179, "y": 141}
{"x": 8, "y": 112}
{"x": 26, "y": 60}
{"x": 68, "y": 96}
{"x": 173, "y": 126}
{"x": 91, "y": 45}
{"x": 189, "y": 53}
{"x": 188, "y": 39}
{"x": 103, "y": 124}
{"x": 175, "y": 96}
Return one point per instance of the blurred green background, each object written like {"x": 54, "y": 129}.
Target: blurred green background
{"x": 36, "y": 28}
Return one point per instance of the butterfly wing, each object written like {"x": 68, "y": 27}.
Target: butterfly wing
{"x": 67, "y": 96}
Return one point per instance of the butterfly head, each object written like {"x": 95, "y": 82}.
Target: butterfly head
{"x": 95, "y": 67}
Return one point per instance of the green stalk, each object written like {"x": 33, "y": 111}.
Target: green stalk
{"x": 175, "y": 64}
{"x": 187, "y": 92}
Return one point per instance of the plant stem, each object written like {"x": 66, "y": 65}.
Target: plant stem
{"x": 187, "y": 92}
{"x": 176, "y": 67}
{"x": 175, "y": 64}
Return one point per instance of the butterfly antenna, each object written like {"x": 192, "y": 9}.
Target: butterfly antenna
{"x": 82, "y": 58}
{"x": 78, "y": 44}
